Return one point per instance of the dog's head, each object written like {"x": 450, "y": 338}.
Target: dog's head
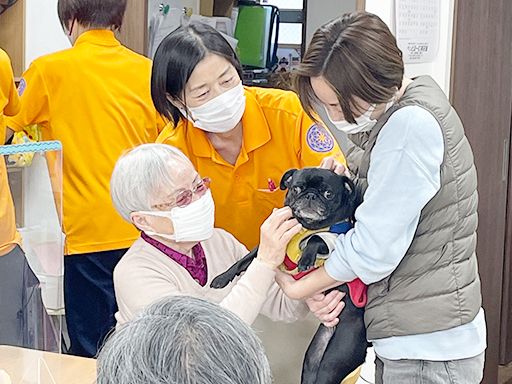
{"x": 319, "y": 197}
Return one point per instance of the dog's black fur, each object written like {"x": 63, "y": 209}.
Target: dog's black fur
{"x": 320, "y": 198}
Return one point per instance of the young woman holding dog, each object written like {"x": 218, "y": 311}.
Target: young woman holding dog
{"x": 94, "y": 98}
{"x": 415, "y": 233}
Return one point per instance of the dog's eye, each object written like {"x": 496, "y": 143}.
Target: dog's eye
{"x": 328, "y": 195}
{"x": 296, "y": 189}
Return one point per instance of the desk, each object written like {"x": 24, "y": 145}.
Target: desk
{"x": 22, "y": 365}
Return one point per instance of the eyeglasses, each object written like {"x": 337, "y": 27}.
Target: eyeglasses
{"x": 184, "y": 197}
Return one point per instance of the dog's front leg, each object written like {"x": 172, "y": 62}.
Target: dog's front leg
{"x": 315, "y": 246}
{"x": 235, "y": 270}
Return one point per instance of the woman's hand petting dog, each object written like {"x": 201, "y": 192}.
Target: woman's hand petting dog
{"x": 275, "y": 234}
{"x": 327, "y": 308}
{"x": 334, "y": 165}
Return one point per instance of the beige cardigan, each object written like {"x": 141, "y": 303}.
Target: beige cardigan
{"x": 145, "y": 274}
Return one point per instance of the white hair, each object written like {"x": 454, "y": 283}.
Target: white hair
{"x": 183, "y": 340}
{"x": 143, "y": 172}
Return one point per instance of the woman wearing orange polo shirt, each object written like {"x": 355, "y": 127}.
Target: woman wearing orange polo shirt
{"x": 94, "y": 98}
{"x": 19, "y": 287}
{"x": 243, "y": 138}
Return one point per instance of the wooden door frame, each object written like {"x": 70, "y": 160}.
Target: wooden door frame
{"x": 12, "y": 35}
{"x": 481, "y": 86}
{"x": 506, "y": 300}
{"x": 134, "y": 31}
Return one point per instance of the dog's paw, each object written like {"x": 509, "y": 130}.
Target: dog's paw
{"x": 302, "y": 267}
{"x": 220, "y": 282}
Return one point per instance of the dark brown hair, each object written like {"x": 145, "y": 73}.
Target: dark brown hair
{"x": 92, "y": 13}
{"x": 358, "y": 56}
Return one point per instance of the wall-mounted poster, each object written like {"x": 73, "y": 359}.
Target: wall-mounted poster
{"x": 417, "y": 29}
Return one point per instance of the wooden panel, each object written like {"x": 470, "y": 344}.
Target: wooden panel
{"x": 12, "y": 35}
{"x": 133, "y": 34}
{"x": 505, "y": 374}
{"x": 506, "y": 308}
{"x": 482, "y": 96}
{"x": 360, "y": 5}
{"x": 216, "y": 7}
{"x": 206, "y": 7}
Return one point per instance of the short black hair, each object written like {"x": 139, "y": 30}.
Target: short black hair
{"x": 92, "y": 13}
{"x": 176, "y": 58}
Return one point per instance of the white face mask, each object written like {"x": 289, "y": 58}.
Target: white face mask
{"x": 363, "y": 123}
{"x": 191, "y": 223}
{"x": 220, "y": 114}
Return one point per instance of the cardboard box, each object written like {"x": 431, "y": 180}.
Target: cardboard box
{"x": 216, "y": 7}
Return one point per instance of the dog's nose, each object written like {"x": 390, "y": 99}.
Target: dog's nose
{"x": 311, "y": 196}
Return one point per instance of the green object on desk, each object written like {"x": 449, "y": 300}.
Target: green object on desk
{"x": 257, "y": 29}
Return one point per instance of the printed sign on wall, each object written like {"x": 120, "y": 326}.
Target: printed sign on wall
{"x": 417, "y": 29}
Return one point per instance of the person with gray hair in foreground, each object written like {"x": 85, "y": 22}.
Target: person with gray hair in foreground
{"x": 183, "y": 340}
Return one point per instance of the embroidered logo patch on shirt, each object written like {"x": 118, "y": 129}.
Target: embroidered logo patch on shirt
{"x": 318, "y": 139}
{"x": 22, "y": 86}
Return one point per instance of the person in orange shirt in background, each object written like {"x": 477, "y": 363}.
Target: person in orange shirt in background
{"x": 16, "y": 277}
{"x": 95, "y": 99}
{"x": 244, "y": 139}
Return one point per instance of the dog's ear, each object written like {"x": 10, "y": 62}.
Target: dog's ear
{"x": 286, "y": 179}
{"x": 349, "y": 184}
{"x": 354, "y": 194}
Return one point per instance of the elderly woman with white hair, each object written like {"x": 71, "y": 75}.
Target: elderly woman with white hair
{"x": 183, "y": 340}
{"x": 179, "y": 252}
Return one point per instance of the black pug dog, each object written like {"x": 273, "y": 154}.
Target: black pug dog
{"x": 319, "y": 198}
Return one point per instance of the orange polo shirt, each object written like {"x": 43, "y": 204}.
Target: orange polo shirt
{"x": 94, "y": 98}
{"x": 9, "y": 105}
{"x": 278, "y": 135}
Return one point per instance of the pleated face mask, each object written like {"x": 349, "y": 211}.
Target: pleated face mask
{"x": 220, "y": 114}
{"x": 191, "y": 223}
{"x": 363, "y": 123}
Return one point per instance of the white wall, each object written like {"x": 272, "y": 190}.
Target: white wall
{"x": 44, "y": 33}
{"x": 440, "y": 68}
{"x": 321, "y": 11}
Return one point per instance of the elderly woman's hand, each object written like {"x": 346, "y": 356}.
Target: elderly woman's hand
{"x": 275, "y": 234}
{"x": 327, "y": 307}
